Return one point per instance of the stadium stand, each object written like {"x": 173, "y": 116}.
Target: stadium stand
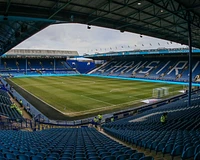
{"x": 69, "y": 143}
{"x": 13, "y": 66}
{"x": 5, "y": 107}
{"x": 35, "y": 62}
{"x": 16, "y": 66}
{"x": 179, "y": 136}
{"x": 161, "y": 68}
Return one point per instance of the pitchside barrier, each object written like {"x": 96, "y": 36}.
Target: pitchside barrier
{"x": 34, "y": 125}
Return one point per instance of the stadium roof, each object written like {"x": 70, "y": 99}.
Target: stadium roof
{"x": 166, "y": 19}
{"x": 38, "y": 52}
{"x": 164, "y": 51}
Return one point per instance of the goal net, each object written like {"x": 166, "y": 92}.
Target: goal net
{"x": 160, "y": 92}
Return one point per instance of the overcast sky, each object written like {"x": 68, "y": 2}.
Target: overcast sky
{"x": 77, "y": 37}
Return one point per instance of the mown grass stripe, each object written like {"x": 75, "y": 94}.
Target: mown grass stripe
{"x": 80, "y": 94}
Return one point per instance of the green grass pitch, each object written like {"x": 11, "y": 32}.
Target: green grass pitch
{"x": 80, "y": 95}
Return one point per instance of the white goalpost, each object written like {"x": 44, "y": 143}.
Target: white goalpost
{"x": 160, "y": 92}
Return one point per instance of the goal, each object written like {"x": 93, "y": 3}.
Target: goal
{"x": 160, "y": 92}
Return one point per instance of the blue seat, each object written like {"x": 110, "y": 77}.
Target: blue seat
{"x": 113, "y": 150}
{"x": 16, "y": 153}
{"x": 79, "y": 151}
{"x": 160, "y": 147}
{"x": 24, "y": 157}
{"x": 34, "y": 151}
{"x": 79, "y": 155}
{"x": 137, "y": 155}
{"x": 188, "y": 153}
{"x": 130, "y": 152}
{"x": 177, "y": 151}
{"x": 197, "y": 149}
{"x": 55, "y": 155}
{"x": 197, "y": 156}
{"x": 94, "y": 158}
{"x": 10, "y": 156}
{"x": 104, "y": 154}
{"x": 123, "y": 157}
{"x": 22, "y": 150}
{"x": 153, "y": 145}
{"x": 12, "y": 149}
{"x": 51, "y": 158}
{"x": 91, "y": 154}
{"x": 187, "y": 146}
{"x": 167, "y": 149}
{"x": 28, "y": 154}
{"x": 147, "y": 144}
{"x": 147, "y": 158}
{"x": 117, "y": 153}
{"x": 41, "y": 154}
{"x": 65, "y": 158}
{"x": 124, "y": 149}
{"x": 68, "y": 152}
{"x": 46, "y": 151}
{"x": 109, "y": 158}
{"x": 37, "y": 158}
{"x": 80, "y": 158}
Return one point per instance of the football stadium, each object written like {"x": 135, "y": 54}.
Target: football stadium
{"x": 116, "y": 104}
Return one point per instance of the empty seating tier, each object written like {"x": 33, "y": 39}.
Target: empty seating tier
{"x": 180, "y": 136}
{"x": 162, "y": 68}
{"x": 5, "y": 106}
{"x": 64, "y": 144}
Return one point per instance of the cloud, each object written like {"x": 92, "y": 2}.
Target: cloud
{"x": 77, "y": 37}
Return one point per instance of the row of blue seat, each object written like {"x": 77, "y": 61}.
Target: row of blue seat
{"x": 69, "y": 143}
{"x": 180, "y": 136}
{"x": 150, "y": 68}
{"x": 5, "y": 108}
{"x": 20, "y": 64}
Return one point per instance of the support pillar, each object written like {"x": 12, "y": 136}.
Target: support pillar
{"x": 26, "y": 66}
{"x": 190, "y": 61}
{"x": 54, "y": 68}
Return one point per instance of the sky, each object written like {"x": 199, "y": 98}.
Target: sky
{"x": 76, "y": 37}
